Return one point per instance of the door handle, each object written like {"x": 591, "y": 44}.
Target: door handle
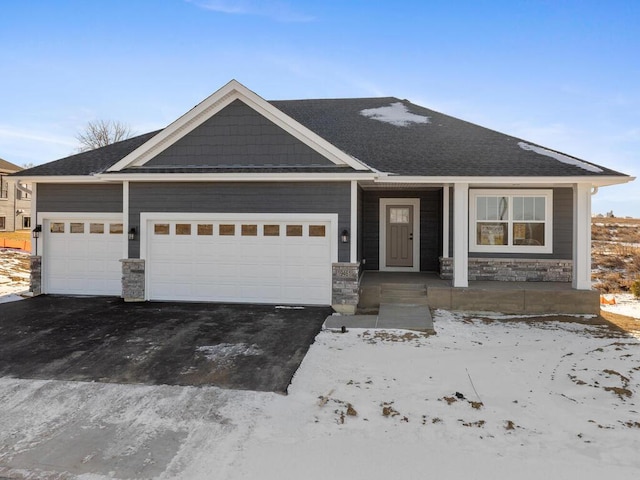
{"x": 411, "y": 236}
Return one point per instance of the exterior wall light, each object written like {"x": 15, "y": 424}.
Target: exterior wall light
{"x": 132, "y": 233}
{"x": 35, "y": 233}
{"x": 344, "y": 236}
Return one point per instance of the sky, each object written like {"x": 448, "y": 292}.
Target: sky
{"x": 564, "y": 74}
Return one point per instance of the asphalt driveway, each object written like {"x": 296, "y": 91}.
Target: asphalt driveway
{"x": 104, "y": 339}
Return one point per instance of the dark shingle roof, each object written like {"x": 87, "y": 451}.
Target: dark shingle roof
{"x": 445, "y": 146}
{"x": 91, "y": 162}
{"x": 440, "y": 146}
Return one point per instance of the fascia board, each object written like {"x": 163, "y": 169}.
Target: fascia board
{"x": 234, "y": 177}
{"x": 600, "y": 181}
{"x": 59, "y": 179}
{"x": 233, "y": 90}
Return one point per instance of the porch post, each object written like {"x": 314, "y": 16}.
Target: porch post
{"x": 582, "y": 236}
{"x": 460, "y": 234}
{"x": 354, "y": 223}
{"x": 445, "y": 221}
{"x": 125, "y": 219}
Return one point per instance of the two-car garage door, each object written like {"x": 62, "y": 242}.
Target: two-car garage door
{"x": 221, "y": 258}
{"x": 248, "y": 259}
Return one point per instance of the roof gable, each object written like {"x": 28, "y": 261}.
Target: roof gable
{"x": 8, "y": 167}
{"x": 238, "y": 136}
{"x": 212, "y": 106}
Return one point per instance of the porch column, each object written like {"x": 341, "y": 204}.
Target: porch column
{"x": 445, "y": 221}
{"x": 582, "y": 236}
{"x": 353, "y": 252}
{"x": 125, "y": 219}
{"x": 460, "y": 234}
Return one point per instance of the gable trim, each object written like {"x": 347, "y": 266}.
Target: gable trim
{"x": 232, "y": 91}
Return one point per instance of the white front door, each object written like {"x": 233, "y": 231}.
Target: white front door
{"x": 400, "y": 234}
{"x": 246, "y": 259}
{"x": 82, "y": 255}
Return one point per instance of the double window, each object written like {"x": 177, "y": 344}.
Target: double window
{"x": 511, "y": 221}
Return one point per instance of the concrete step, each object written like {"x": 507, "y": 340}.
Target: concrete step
{"x": 403, "y": 294}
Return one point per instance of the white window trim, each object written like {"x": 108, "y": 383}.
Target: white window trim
{"x": 548, "y": 230}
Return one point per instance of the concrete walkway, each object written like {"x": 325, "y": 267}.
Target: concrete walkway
{"x": 402, "y": 317}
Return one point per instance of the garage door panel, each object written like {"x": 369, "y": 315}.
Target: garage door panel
{"x": 264, "y": 262}
{"x": 82, "y": 257}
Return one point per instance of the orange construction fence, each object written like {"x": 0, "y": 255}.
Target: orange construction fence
{"x": 19, "y": 244}
{"x": 607, "y": 301}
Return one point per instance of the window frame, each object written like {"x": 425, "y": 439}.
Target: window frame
{"x": 510, "y": 194}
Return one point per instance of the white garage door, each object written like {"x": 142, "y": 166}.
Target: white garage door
{"x": 82, "y": 256}
{"x": 248, "y": 260}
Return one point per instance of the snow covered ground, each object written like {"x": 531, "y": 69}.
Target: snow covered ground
{"x": 482, "y": 399}
{"x": 625, "y": 304}
{"x": 14, "y": 273}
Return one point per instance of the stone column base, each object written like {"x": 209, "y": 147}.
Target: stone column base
{"x": 35, "y": 283}
{"x": 133, "y": 279}
{"x": 344, "y": 287}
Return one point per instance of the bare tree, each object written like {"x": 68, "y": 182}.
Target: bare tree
{"x": 102, "y": 132}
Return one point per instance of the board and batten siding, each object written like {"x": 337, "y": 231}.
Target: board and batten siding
{"x": 306, "y": 197}
{"x": 73, "y": 197}
{"x": 238, "y": 136}
{"x": 562, "y": 231}
{"x": 430, "y": 226}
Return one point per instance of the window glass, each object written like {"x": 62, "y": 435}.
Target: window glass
{"x": 115, "y": 228}
{"x": 492, "y": 234}
{"x": 227, "y": 229}
{"x": 57, "y": 227}
{"x": 3, "y": 223}
{"x": 26, "y": 222}
{"x": 161, "y": 228}
{"x": 271, "y": 230}
{"x": 317, "y": 230}
{"x": 515, "y": 221}
{"x": 294, "y": 230}
{"x": 249, "y": 230}
{"x": 399, "y": 214}
{"x": 528, "y": 234}
{"x": 75, "y": 227}
{"x": 183, "y": 229}
{"x": 96, "y": 228}
{"x": 205, "y": 229}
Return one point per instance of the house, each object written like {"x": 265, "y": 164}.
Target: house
{"x": 15, "y": 200}
{"x": 290, "y": 202}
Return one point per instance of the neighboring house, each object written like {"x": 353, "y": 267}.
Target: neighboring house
{"x": 247, "y": 200}
{"x": 15, "y": 200}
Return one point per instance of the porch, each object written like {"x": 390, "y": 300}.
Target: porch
{"x": 479, "y": 296}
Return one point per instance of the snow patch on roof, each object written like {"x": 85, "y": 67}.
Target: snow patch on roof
{"x": 396, "y": 114}
{"x": 560, "y": 157}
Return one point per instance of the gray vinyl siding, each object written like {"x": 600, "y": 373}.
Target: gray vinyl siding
{"x": 562, "y": 231}
{"x": 73, "y": 197}
{"x": 430, "y": 226}
{"x": 238, "y": 136}
{"x": 308, "y": 197}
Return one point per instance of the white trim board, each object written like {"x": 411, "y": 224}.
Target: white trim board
{"x": 384, "y": 202}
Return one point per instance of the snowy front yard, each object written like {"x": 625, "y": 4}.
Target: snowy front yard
{"x": 482, "y": 399}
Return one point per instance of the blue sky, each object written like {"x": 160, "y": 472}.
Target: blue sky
{"x": 561, "y": 73}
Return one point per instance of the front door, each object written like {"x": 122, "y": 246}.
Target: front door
{"x": 399, "y": 241}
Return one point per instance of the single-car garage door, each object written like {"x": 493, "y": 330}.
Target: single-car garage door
{"x": 82, "y": 256}
{"x": 253, "y": 260}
